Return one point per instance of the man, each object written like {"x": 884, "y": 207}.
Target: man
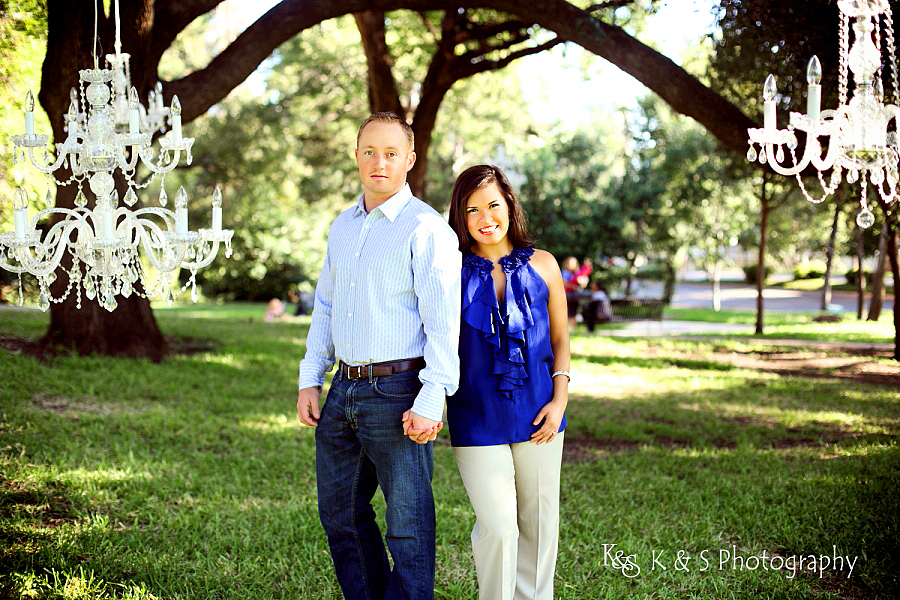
{"x": 387, "y": 310}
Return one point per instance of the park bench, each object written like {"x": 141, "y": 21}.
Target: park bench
{"x": 625, "y": 309}
{"x": 637, "y": 309}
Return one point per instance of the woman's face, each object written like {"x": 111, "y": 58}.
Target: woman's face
{"x": 487, "y": 216}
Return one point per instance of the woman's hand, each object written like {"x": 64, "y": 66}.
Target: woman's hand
{"x": 551, "y": 415}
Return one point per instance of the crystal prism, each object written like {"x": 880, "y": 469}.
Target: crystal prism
{"x": 865, "y": 218}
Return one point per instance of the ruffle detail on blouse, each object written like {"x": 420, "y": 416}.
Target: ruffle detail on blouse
{"x": 481, "y": 311}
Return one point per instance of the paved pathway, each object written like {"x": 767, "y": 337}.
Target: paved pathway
{"x": 740, "y": 296}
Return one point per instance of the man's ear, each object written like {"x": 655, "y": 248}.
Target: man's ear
{"x": 410, "y": 161}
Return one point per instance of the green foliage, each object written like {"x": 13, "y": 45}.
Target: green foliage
{"x": 282, "y": 146}
{"x": 283, "y": 154}
{"x": 23, "y": 27}
{"x": 810, "y": 270}
{"x": 688, "y": 192}
{"x": 853, "y": 274}
{"x": 566, "y": 195}
{"x": 750, "y": 272}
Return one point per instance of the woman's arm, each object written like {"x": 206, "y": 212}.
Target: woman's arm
{"x": 552, "y": 413}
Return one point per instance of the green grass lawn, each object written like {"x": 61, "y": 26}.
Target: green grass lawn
{"x": 683, "y": 478}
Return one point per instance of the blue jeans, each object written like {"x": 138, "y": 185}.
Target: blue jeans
{"x": 359, "y": 446}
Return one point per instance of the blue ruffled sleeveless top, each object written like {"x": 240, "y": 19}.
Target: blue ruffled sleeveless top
{"x": 505, "y": 354}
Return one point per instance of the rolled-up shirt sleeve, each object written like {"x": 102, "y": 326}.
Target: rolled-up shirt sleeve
{"x": 437, "y": 263}
{"x": 319, "y": 357}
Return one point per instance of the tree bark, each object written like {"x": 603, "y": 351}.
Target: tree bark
{"x": 761, "y": 257}
{"x": 860, "y": 275}
{"x": 895, "y": 270}
{"x": 878, "y": 277}
{"x": 829, "y": 255}
{"x": 383, "y": 93}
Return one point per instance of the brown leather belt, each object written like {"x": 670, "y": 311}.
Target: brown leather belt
{"x": 382, "y": 369}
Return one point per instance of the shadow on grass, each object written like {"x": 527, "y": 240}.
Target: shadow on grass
{"x": 661, "y": 362}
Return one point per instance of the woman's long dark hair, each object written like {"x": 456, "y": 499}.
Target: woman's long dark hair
{"x": 477, "y": 178}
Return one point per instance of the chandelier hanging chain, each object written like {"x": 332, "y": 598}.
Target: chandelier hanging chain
{"x": 892, "y": 54}
{"x": 844, "y": 58}
{"x": 861, "y": 131}
{"x": 107, "y": 130}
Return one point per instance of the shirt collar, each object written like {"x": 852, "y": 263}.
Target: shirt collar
{"x": 390, "y": 207}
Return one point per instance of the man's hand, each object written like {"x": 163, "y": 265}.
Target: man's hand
{"x": 308, "y": 406}
{"x": 419, "y": 429}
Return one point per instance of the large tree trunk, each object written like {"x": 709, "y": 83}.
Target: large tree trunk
{"x": 131, "y": 329}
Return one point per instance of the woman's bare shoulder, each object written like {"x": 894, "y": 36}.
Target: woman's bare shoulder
{"x": 545, "y": 264}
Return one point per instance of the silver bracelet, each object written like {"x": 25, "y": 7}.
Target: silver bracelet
{"x": 566, "y": 373}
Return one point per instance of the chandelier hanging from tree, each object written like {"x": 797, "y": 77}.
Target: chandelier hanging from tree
{"x": 107, "y": 132}
{"x": 861, "y": 134}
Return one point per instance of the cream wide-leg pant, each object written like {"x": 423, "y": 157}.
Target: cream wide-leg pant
{"x": 514, "y": 489}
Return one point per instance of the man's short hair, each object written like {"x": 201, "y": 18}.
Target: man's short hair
{"x": 389, "y": 117}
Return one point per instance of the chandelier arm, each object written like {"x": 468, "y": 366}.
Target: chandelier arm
{"x": 60, "y": 231}
{"x": 127, "y": 164}
{"x": 46, "y": 168}
{"x": 159, "y": 168}
{"x": 824, "y": 163}
{"x": 141, "y": 227}
{"x": 214, "y": 250}
{"x": 786, "y": 171}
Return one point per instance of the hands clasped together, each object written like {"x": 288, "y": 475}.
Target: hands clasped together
{"x": 422, "y": 430}
{"x": 416, "y": 427}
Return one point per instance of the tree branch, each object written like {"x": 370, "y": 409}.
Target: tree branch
{"x": 682, "y": 91}
{"x": 383, "y": 93}
{"x": 614, "y": 4}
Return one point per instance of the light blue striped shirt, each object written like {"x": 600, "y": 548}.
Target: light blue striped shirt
{"x": 389, "y": 290}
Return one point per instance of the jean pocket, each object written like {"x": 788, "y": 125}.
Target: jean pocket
{"x": 399, "y": 385}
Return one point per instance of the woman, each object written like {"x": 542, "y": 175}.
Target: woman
{"x": 506, "y": 420}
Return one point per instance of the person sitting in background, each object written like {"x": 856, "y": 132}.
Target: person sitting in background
{"x": 599, "y": 309}
{"x": 575, "y": 279}
{"x": 274, "y": 310}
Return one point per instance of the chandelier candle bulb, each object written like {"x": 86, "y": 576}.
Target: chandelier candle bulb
{"x": 814, "y": 93}
{"x": 181, "y": 214}
{"x": 217, "y": 211}
{"x": 769, "y": 91}
{"x": 20, "y": 214}
{"x": 134, "y": 115}
{"x": 29, "y": 114}
{"x": 73, "y": 120}
{"x": 107, "y": 215}
{"x": 176, "y": 118}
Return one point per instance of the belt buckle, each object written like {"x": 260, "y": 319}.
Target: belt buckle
{"x": 354, "y": 372}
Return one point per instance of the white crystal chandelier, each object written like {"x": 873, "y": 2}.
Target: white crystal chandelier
{"x": 107, "y": 132}
{"x": 862, "y": 133}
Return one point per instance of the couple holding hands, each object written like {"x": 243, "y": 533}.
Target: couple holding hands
{"x": 416, "y": 313}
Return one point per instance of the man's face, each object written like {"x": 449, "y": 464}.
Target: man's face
{"x": 384, "y": 158}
